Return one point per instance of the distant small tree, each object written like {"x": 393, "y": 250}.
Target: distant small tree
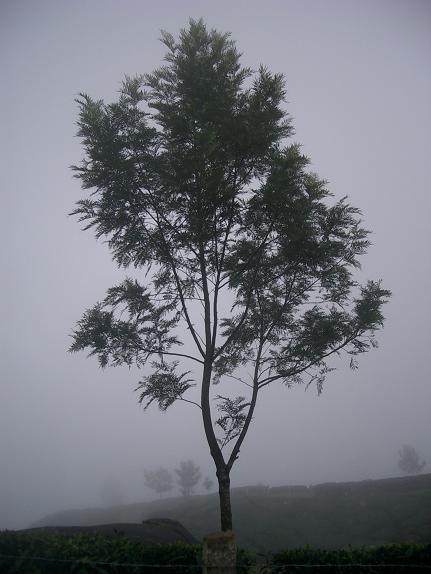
{"x": 208, "y": 484}
{"x": 409, "y": 460}
{"x": 160, "y": 480}
{"x": 188, "y": 476}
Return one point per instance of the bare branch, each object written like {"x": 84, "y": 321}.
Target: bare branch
{"x": 173, "y": 354}
{"x": 244, "y": 316}
{"x": 180, "y": 292}
{"x": 239, "y": 380}
{"x": 191, "y": 402}
{"x": 235, "y": 451}
{"x": 217, "y": 282}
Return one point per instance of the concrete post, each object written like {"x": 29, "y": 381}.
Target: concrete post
{"x": 219, "y": 553}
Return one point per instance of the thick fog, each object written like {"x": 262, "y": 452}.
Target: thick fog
{"x": 359, "y": 91}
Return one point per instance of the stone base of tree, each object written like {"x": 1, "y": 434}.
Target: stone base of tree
{"x": 219, "y": 553}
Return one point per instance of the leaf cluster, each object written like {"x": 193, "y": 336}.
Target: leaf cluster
{"x": 127, "y": 327}
{"x": 164, "y": 385}
{"x": 233, "y": 416}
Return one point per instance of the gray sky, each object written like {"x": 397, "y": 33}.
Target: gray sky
{"x": 359, "y": 91}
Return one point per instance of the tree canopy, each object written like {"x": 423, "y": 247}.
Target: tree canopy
{"x": 195, "y": 185}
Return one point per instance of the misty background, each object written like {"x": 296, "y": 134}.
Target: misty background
{"x": 359, "y": 91}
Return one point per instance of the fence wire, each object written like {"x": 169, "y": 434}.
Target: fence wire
{"x": 256, "y": 569}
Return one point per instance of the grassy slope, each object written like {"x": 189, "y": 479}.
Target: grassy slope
{"x": 328, "y": 515}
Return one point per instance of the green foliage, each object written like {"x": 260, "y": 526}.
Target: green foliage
{"x": 143, "y": 329}
{"x": 233, "y": 417}
{"x": 91, "y": 554}
{"x": 40, "y": 553}
{"x": 79, "y": 552}
{"x": 164, "y": 385}
{"x": 373, "y": 559}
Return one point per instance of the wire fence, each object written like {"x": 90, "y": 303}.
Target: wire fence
{"x": 348, "y": 567}
{"x": 99, "y": 565}
{"x": 86, "y": 564}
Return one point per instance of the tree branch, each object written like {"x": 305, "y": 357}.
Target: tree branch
{"x": 235, "y": 451}
{"x": 286, "y": 301}
{"x": 191, "y": 402}
{"x": 305, "y": 367}
{"x": 217, "y": 282}
{"x": 239, "y": 380}
{"x": 180, "y": 290}
{"x": 155, "y": 206}
{"x": 161, "y": 352}
{"x": 244, "y": 316}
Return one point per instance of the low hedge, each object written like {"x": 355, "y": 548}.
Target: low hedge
{"x": 391, "y": 558}
{"x": 41, "y": 552}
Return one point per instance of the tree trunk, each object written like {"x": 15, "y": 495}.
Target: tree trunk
{"x": 222, "y": 469}
{"x": 224, "y": 496}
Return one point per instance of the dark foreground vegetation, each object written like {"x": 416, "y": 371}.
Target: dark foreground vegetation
{"x": 37, "y": 552}
{"x": 394, "y": 558}
{"x": 334, "y": 515}
{"x": 40, "y": 552}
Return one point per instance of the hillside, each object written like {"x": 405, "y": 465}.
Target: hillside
{"x": 328, "y": 515}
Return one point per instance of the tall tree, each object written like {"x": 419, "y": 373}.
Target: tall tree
{"x": 159, "y": 480}
{"x": 188, "y": 476}
{"x": 194, "y": 183}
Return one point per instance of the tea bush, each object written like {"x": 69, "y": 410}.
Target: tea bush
{"x": 390, "y": 558}
{"x": 40, "y": 553}
{"x": 87, "y": 553}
